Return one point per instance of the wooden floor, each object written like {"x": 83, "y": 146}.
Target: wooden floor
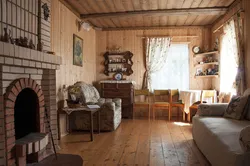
{"x": 137, "y": 142}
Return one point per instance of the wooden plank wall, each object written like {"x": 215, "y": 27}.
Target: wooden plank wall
{"x": 129, "y": 41}
{"x": 63, "y": 26}
{"x": 45, "y": 27}
{"x": 21, "y": 17}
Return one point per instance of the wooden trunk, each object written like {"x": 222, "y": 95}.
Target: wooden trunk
{"x": 124, "y": 91}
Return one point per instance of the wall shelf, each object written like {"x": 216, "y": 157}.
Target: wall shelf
{"x": 210, "y": 69}
{"x": 204, "y": 64}
{"x": 206, "y": 53}
{"x": 118, "y": 62}
{"x": 207, "y": 76}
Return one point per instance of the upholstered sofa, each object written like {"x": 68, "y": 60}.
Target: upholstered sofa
{"x": 223, "y": 141}
{"x": 110, "y": 109}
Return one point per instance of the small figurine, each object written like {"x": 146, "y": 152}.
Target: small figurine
{"x": 209, "y": 71}
{"x": 12, "y": 41}
{"x": 46, "y": 11}
{"x": 216, "y": 44}
{"x": 24, "y": 42}
{"x": 6, "y": 37}
{"x": 31, "y": 45}
{"x": 40, "y": 46}
{"x": 65, "y": 95}
{"x": 21, "y": 41}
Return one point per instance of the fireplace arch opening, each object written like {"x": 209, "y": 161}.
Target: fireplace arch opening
{"x": 26, "y": 113}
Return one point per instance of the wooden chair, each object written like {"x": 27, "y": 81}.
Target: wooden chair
{"x": 162, "y": 103}
{"x": 205, "y": 94}
{"x": 180, "y": 105}
{"x": 224, "y": 97}
{"x": 145, "y": 103}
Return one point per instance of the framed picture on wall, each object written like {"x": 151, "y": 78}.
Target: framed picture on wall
{"x": 77, "y": 50}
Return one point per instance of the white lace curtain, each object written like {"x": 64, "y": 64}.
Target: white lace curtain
{"x": 175, "y": 72}
{"x": 156, "y": 57}
{"x": 229, "y": 60}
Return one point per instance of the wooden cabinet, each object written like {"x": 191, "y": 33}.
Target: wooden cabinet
{"x": 125, "y": 91}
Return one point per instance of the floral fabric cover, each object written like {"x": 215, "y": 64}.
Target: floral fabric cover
{"x": 235, "y": 109}
{"x": 245, "y": 139}
{"x": 87, "y": 93}
{"x": 247, "y": 110}
{"x": 110, "y": 109}
{"x": 215, "y": 109}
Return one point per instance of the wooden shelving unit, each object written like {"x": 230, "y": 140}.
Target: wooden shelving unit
{"x": 206, "y": 53}
{"x": 207, "y": 76}
{"x": 208, "y": 57}
{"x": 118, "y": 62}
{"x": 204, "y": 64}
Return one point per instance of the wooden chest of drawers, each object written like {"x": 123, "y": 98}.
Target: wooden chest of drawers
{"x": 125, "y": 91}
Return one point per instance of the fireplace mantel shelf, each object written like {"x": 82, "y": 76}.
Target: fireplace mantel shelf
{"x": 19, "y": 56}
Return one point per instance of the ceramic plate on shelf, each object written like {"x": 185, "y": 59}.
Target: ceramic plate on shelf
{"x": 118, "y": 76}
{"x": 196, "y": 49}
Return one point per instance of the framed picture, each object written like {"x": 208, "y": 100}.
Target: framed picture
{"x": 77, "y": 50}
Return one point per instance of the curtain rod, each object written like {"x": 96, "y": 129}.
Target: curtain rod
{"x": 228, "y": 20}
{"x": 194, "y": 36}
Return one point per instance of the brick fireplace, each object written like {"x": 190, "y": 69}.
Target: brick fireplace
{"x": 27, "y": 84}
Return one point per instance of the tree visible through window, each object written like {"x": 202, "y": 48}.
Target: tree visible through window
{"x": 175, "y": 73}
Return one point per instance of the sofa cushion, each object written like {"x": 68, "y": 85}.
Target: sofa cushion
{"x": 236, "y": 107}
{"x": 245, "y": 138}
{"x": 247, "y": 116}
{"x": 218, "y": 139}
{"x": 247, "y": 110}
{"x": 88, "y": 93}
{"x": 246, "y": 113}
{"x": 215, "y": 109}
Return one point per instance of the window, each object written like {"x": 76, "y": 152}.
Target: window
{"x": 175, "y": 73}
{"x": 229, "y": 51}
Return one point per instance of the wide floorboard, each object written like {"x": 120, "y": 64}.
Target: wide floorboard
{"x": 137, "y": 142}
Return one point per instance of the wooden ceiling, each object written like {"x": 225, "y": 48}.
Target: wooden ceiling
{"x": 134, "y": 14}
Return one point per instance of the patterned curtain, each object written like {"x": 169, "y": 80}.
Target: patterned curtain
{"x": 156, "y": 56}
{"x": 240, "y": 83}
{"x": 229, "y": 59}
{"x": 232, "y": 57}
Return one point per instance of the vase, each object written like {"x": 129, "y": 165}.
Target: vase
{"x": 6, "y": 37}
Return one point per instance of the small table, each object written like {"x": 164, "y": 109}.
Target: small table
{"x": 189, "y": 97}
{"x": 90, "y": 111}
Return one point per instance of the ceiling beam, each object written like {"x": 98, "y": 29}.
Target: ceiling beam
{"x": 150, "y": 28}
{"x": 161, "y": 12}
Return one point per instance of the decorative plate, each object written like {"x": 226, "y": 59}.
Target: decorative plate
{"x": 118, "y": 76}
{"x": 196, "y": 49}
